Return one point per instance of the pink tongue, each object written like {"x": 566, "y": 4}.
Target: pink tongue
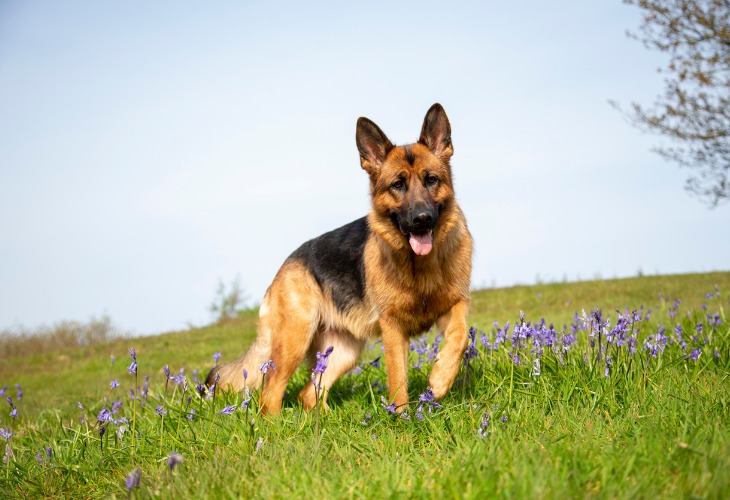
{"x": 421, "y": 243}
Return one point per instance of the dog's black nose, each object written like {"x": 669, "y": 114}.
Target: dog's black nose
{"x": 423, "y": 219}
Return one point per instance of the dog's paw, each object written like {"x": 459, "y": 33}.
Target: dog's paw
{"x": 441, "y": 380}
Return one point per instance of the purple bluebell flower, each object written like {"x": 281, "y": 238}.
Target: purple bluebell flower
{"x": 133, "y": 478}
{"x": 427, "y": 399}
{"x": 49, "y": 451}
{"x": 268, "y": 365}
{"x": 81, "y": 407}
{"x": 166, "y": 370}
{"x": 216, "y": 357}
{"x": 656, "y": 343}
{"x": 200, "y": 387}
{"x": 180, "y": 377}
{"x": 717, "y": 354}
{"x": 484, "y": 425}
{"x": 367, "y": 419}
{"x": 674, "y": 308}
{"x": 694, "y": 355}
{"x": 321, "y": 364}
{"x": 245, "y": 403}
{"x": 228, "y": 410}
{"x": 567, "y": 341}
{"x": 104, "y": 416}
{"x": 113, "y": 384}
{"x": 211, "y": 389}
{"x": 484, "y": 339}
{"x": 174, "y": 459}
{"x": 434, "y": 347}
{"x": 504, "y": 418}
{"x": 191, "y": 414}
{"x": 375, "y": 363}
{"x": 427, "y": 396}
{"x": 391, "y": 409}
{"x": 631, "y": 343}
{"x": 419, "y": 413}
{"x": 146, "y": 386}
{"x": 6, "y": 433}
{"x": 678, "y": 331}
{"x": 161, "y": 411}
{"x": 9, "y": 400}
{"x": 714, "y": 319}
{"x": 116, "y": 405}
{"x": 19, "y": 394}
{"x": 245, "y": 376}
{"x": 14, "y": 412}
{"x": 471, "y": 350}
{"x": 120, "y": 431}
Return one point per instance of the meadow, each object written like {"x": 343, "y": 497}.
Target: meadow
{"x": 610, "y": 388}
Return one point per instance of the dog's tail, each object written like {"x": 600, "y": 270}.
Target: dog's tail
{"x": 246, "y": 370}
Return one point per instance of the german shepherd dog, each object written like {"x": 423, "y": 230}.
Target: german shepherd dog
{"x": 394, "y": 273}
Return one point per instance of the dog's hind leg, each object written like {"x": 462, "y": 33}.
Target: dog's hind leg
{"x": 295, "y": 302}
{"x": 346, "y": 351}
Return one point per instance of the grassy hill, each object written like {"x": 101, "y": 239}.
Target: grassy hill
{"x": 586, "y": 425}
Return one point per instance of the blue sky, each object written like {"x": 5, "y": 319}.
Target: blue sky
{"x": 150, "y": 149}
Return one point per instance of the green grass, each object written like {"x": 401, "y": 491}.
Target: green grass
{"x": 656, "y": 426}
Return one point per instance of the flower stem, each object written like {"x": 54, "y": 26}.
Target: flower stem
{"x": 134, "y": 411}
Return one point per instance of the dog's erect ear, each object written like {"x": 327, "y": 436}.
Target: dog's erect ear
{"x": 372, "y": 145}
{"x": 436, "y": 132}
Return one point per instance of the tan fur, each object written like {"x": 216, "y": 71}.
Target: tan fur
{"x": 404, "y": 293}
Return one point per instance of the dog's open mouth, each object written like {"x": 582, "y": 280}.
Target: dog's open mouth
{"x": 421, "y": 243}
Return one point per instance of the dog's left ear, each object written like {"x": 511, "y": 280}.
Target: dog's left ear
{"x": 436, "y": 132}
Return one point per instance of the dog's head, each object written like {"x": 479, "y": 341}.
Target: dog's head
{"x": 410, "y": 185}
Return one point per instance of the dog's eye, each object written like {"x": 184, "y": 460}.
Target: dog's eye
{"x": 431, "y": 180}
{"x": 397, "y": 185}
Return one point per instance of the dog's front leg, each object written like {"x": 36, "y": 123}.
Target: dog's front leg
{"x": 448, "y": 361}
{"x": 395, "y": 342}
